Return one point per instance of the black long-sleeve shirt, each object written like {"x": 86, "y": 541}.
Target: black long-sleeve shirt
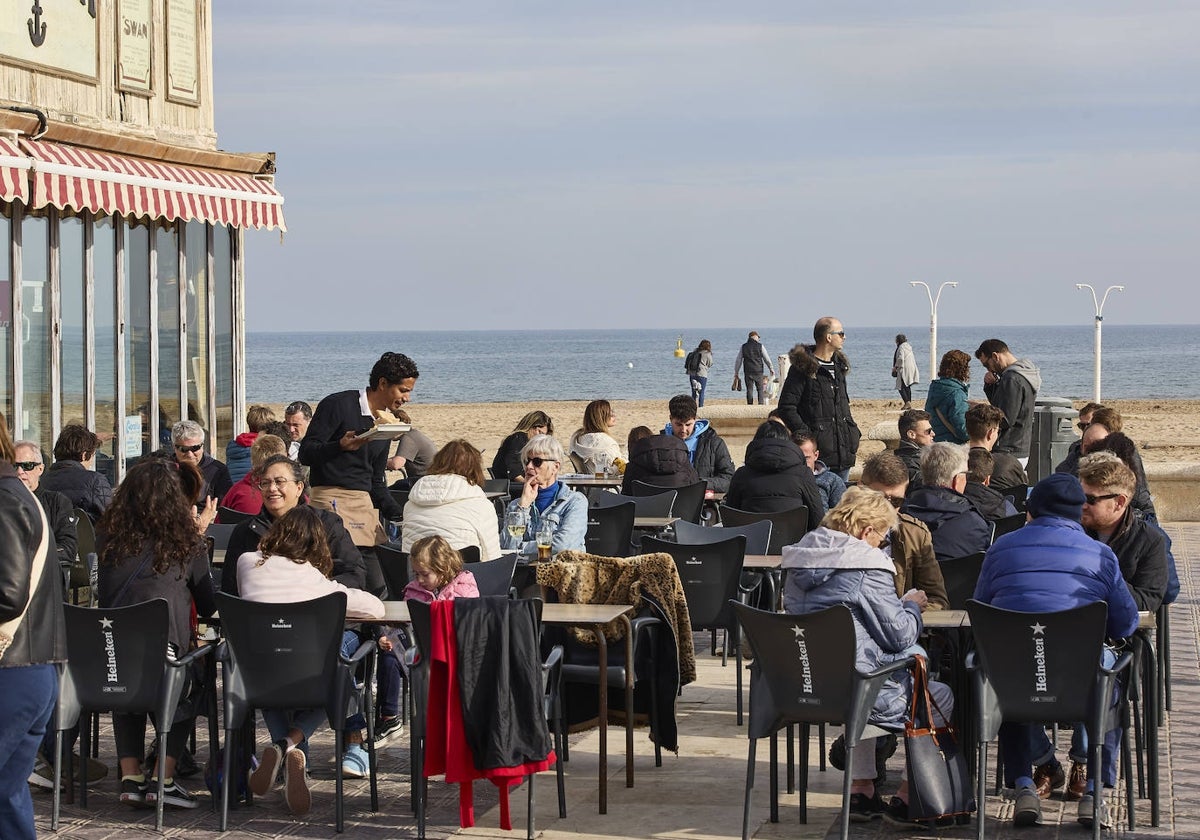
{"x": 321, "y": 448}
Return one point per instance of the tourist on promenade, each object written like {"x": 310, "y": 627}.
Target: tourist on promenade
{"x": 814, "y": 399}
{"x": 983, "y": 422}
{"x": 775, "y": 477}
{"x": 660, "y": 459}
{"x": 449, "y": 502}
{"x": 594, "y": 439}
{"x": 545, "y": 498}
{"x": 904, "y": 369}
{"x": 916, "y": 432}
{"x": 828, "y": 482}
{"x": 414, "y": 454}
{"x": 957, "y": 528}
{"x": 244, "y": 496}
{"x": 237, "y": 451}
{"x": 841, "y": 563}
{"x": 946, "y": 401}
{"x": 187, "y": 437}
{"x": 1011, "y": 384}
{"x": 756, "y": 361}
{"x": 297, "y": 416}
{"x": 697, "y": 365}
{"x": 706, "y": 450}
{"x": 30, "y": 467}
{"x": 507, "y": 463}
{"x": 1070, "y": 464}
{"x": 990, "y": 503}
{"x": 71, "y": 473}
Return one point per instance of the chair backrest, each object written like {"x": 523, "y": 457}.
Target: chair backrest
{"x": 803, "y": 670}
{"x": 116, "y": 655}
{"x": 787, "y": 526}
{"x": 1041, "y": 666}
{"x": 495, "y": 485}
{"x": 282, "y": 656}
{"x": 757, "y": 534}
{"x": 1006, "y": 525}
{"x": 960, "y": 576}
{"x": 469, "y": 553}
{"x": 396, "y": 571}
{"x": 229, "y": 516}
{"x": 85, "y": 534}
{"x": 661, "y": 504}
{"x": 495, "y": 576}
{"x": 689, "y": 499}
{"x": 400, "y": 497}
{"x": 709, "y": 574}
{"x": 1019, "y": 495}
{"x": 220, "y": 533}
{"x": 579, "y": 465}
{"x": 609, "y": 529}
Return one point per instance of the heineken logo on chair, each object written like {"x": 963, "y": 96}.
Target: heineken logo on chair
{"x": 806, "y": 678}
{"x": 1041, "y": 685}
{"x": 112, "y": 677}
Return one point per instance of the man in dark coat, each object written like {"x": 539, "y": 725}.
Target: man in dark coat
{"x": 956, "y": 527}
{"x": 71, "y": 473}
{"x": 776, "y": 477}
{"x": 991, "y": 504}
{"x": 187, "y": 438}
{"x": 58, "y": 507}
{"x": 983, "y": 430}
{"x": 916, "y": 432}
{"x": 813, "y": 399}
{"x": 706, "y": 450}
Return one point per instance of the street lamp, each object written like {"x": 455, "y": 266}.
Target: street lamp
{"x": 933, "y": 305}
{"x": 1099, "y": 321}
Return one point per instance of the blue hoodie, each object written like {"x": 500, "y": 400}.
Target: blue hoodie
{"x": 690, "y": 441}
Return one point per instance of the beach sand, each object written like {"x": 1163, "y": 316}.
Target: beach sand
{"x": 1164, "y": 430}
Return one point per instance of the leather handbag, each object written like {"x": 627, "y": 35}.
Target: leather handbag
{"x": 939, "y": 786}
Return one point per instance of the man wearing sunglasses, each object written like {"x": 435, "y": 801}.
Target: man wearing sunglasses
{"x": 1011, "y": 384}
{"x": 187, "y": 439}
{"x": 58, "y": 507}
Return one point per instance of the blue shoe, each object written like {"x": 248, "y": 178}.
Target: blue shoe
{"x": 355, "y": 762}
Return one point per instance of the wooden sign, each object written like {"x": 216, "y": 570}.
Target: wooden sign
{"x": 61, "y": 36}
{"x": 135, "y": 46}
{"x": 183, "y": 55}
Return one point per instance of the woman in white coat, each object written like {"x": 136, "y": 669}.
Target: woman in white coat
{"x": 448, "y": 501}
{"x": 595, "y": 436}
{"x": 904, "y": 368}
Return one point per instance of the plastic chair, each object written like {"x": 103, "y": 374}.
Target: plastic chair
{"x": 288, "y": 656}
{"x": 229, "y": 516}
{"x": 960, "y": 576}
{"x": 396, "y": 571}
{"x": 1018, "y": 652}
{"x": 787, "y": 526}
{"x": 220, "y": 533}
{"x": 495, "y": 576}
{"x": 1006, "y": 525}
{"x": 689, "y": 499}
{"x": 469, "y": 554}
{"x": 804, "y": 672}
{"x": 610, "y": 528}
{"x": 757, "y": 534}
{"x": 400, "y": 497}
{"x": 142, "y": 680}
{"x": 83, "y": 570}
{"x": 1018, "y": 496}
{"x": 710, "y": 575}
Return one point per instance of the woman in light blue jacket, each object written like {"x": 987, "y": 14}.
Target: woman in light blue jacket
{"x": 946, "y": 401}
{"x": 543, "y": 497}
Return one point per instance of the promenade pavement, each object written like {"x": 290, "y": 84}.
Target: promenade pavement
{"x": 694, "y": 796}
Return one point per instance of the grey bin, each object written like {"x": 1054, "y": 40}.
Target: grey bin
{"x": 1053, "y": 434}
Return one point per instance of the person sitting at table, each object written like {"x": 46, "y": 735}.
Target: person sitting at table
{"x": 661, "y": 460}
{"x": 30, "y": 469}
{"x": 449, "y": 501}
{"x": 293, "y": 564}
{"x": 1049, "y": 565}
{"x": 544, "y": 497}
{"x": 244, "y": 496}
{"x": 1099, "y": 437}
{"x": 71, "y": 473}
{"x": 991, "y": 504}
{"x": 238, "y": 457}
{"x": 149, "y": 547}
{"x": 775, "y": 477}
{"x": 706, "y": 450}
{"x": 507, "y": 463}
{"x": 956, "y": 527}
{"x": 595, "y": 438}
{"x": 841, "y": 563}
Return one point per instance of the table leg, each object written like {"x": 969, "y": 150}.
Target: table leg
{"x": 602, "y": 656}
{"x": 628, "y": 700}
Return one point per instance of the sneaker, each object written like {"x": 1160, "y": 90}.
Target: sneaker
{"x": 262, "y": 779}
{"x": 174, "y": 794}
{"x": 133, "y": 791}
{"x": 355, "y": 762}
{"x": 1027, "y": 809}
{"x": 1048, "y": 778}
{"x": 896, "y": 813}
{"x": 42, "y": 775}
{"x": 295, "y": 786}
{"x": 865, "y": 808}
{"x": 1076, "y": 783}
{"x": 388, "y": 728}
{"x": 885, "y": 748}
{"x": 1087, "y": 812}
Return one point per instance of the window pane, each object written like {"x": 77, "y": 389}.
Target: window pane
{"x": 196, "y": 244}
{"x": 222, "y": 280}
{"x": 36, "y": 335}
{"x": 6, "y": 373}
{"x": 70, "y": 274}
{"x": 167, "y": 244}
{"x": 104, "y": 267}
{"x": 137, "y": 338}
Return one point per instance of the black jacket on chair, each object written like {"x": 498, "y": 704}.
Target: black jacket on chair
{"x": 661, "y": 460}
{"x": 775, "y": 478}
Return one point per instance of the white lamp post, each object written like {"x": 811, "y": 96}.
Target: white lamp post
{"x": 933, "y": 305}
{"x": 1099, "y": 321}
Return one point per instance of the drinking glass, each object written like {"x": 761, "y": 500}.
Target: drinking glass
{"x": 601, "y": 460}
{"x": 515, "y": 522}
{"x": 545, "y": 538}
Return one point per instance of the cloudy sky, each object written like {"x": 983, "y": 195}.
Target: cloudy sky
{"x": 656, "y": 164}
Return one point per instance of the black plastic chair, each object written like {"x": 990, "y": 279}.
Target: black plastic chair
{"x": 689, "y": 499}
{"x": 960, "y": 576}
{"x": 1018, "y": 495}
{"x": 229, "y": 516}
{"x": 396, "y": 571}
{"x": 657, "y": 505}
{"x": 787, "y": 526}
{"x": 804, "y": 672}
{"x": 470, "y": 554}
{"x": 757, "y": 534}
{"x": 288, "y": 656}
{"x": 1006, "y": 525}
{"x": 495, "y": 576}
{"x": 710, "y": 575}
{"x": 400, "y": 497}
{"x": 610, "y": 528}
{"x": 220, "y": 533}
{"x": 1018, "y": 653}
{"x": 83, "y": 569}
{"x": 117, "y": 662}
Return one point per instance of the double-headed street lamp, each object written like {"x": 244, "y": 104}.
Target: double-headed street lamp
{"x": 933, "y": 305}
{"x": 1099, "y": 321}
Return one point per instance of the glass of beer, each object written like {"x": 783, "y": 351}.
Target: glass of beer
{"x": 601, "y": 460}
{"x": 545, "y": 538}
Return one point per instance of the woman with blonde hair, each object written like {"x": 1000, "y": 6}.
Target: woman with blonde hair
{"x": 595, "y": 437}
{"x": 448, "y": 501}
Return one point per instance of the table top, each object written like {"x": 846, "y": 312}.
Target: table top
{"x": 496, "y": 494}
{"x": 654, "y": 521}
{"x": 397, "y": 612}
{"x": 950, "y": 619}
{"x": 762, "y": 561}
{"x": 591, "y": 480}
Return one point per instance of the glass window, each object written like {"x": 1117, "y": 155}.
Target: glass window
{"x": 137, "y": 330}
{"x": 222, "y": 280}
{"x": 167, "y": 246}
{"x": 196, "y": 247}
{"x": 6, "y": 298}
{"x": 104, "y": 297}
{"x": 35, "y": 332}
{"x": 70, "y": 284}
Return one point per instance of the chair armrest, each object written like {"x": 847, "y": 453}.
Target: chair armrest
{"x": 554, "y": 659}
{"x": 971, "y": 663}
{"x": 193, "y": 655}
{"x": 637, "y": 625}
{"x": 1122, "y": 663}
{"x": 888, "y": 670}
{"x": 222, "y": 651}
{"x": 363, "y": 649}
{"x": 866, "y": 688}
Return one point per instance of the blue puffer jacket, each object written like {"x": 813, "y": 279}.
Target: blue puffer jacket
{"x": 827, "y": 568}
{"x": 569, "y": 511}
{"x": 1051, "y": 565}
{"x": 949, "y": 396}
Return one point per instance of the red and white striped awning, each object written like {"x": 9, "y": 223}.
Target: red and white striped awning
{"x": 14, "y": 172}
{"x": 72, "y": 177}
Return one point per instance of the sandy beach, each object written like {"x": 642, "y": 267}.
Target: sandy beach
{"x": 1165, "y": 430}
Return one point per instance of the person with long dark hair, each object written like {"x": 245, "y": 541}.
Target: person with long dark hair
{"x": 507, "y": 463}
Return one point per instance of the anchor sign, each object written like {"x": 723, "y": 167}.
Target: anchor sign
{"x": 37, "y": 26}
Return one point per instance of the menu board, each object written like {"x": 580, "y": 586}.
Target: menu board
{"x": 183, "y": 56}
{"x": 135, "y": 39}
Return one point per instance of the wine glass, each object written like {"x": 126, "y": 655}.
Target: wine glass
{"x": 515, "y": 522}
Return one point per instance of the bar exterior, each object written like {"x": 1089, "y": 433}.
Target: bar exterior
{"x": 122, "y": 227}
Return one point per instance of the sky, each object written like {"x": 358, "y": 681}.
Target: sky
{"x": 581, "y": 164}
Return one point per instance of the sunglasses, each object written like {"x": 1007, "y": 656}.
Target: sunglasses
{"x": 1083, "y": 426}
{"x": 842, "y": 333}
{"x": 1091, "y": 500}
{"x": 27, "y": 466}
{"x": 537, "y": 462}
{"x": 195, "y": 448}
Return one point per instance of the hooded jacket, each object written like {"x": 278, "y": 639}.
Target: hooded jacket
{"x": 815, "y": 402}
{"x": 947, "y": 398}
{"x": 590, "y": 444}
{"x": 661, "y": 460}
{"x": 451, "y": 507}
{"x": 775, "y": 478}
{"x": 956, "y": 527}
{"x": 709, "y": 455}
{"x": 237, "y": 455}
{"x": 1015, "y": 393}
{"x": 827, "y": 568}
{"x": 991, "y": 504}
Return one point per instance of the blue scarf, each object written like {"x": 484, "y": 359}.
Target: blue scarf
{"x": 546, "y": 495}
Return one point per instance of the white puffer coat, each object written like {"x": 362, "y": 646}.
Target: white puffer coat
{"x": 451, "y": 507}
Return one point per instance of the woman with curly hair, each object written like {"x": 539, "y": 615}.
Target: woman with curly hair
{"x": 150, "y": 546}
{"x": 947, "y": 398}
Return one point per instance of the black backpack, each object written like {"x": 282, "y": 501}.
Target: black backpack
{"x": 692, "y": 363}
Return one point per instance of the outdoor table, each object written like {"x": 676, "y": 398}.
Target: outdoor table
{"x": 654, "y": 522}
{"x": 762, "y": 562}
{"x": 492, "y": 495}
{"x": 591, "y": 481}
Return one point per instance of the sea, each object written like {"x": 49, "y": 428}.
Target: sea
{"x": 1139, "y": 362}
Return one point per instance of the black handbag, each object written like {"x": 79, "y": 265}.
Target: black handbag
{"x": 939, "y": 786}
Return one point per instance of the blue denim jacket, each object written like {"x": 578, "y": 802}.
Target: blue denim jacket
{"x": 569, "y": 511}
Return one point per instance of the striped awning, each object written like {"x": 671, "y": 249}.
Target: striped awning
{"x": 72, "y": 177}
{"x": 14, "y": 172}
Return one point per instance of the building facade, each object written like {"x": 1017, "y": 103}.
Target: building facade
{"x": 121, "y": 226}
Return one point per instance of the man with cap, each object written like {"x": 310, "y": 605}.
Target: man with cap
{"x": 757, "y": 362}
{"x": 1049, "y": 565}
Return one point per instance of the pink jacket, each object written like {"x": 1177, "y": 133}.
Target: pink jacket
{"x": 463, "y": 586}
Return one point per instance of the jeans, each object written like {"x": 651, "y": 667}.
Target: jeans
{"x": 756, "y": 383}
{"x": 350, "y": 643}
{"x": 389, "y": 677}
{"x": 29, "y": 693}
{"x": 280, "y": 721}
{"x": 699, "y": 383}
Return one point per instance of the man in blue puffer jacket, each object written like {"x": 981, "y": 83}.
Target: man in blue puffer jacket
{"x": 1049, "y": 565}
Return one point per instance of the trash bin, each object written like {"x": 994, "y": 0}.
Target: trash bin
{"x": 1053, "y": 434}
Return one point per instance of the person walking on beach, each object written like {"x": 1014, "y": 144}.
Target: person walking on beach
{"x": 1011, "y": 385}
{"x": 697, "y": 365}
{"x": 814, "y": 398}
{"x": 757, "y": 362}
{"x": 904, "y": 368}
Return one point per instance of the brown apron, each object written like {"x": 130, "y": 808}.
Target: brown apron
{"x": 356, "y": 510}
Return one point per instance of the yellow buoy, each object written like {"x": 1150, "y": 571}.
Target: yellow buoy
{"x": 679, "y": 353}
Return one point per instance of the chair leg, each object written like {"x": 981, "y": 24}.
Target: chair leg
{"x": 58, "y": 763}
{"x": 790, "y": 757}
{"x": 85, "y": 742}
{"x": 369, "y": 705}
{"x": 226, "y": 773}
{"x": 821, "y": 746}
{"x": 559, "y": 740}
{"x": 529, "y": 807}
{"x": 1094, "y": 775}
{"x": 339, "y": 747}
{"x": 1125, "y": 772}
{"x": 160, "y": 747}
{"x": 846, "y": 791}
{"x": 805, "y": 734}
{"x": 749, "y": 787}
{"x": 737, "y": 661}
{"x": 1138, "y": 739}
{"x": 773, "y": 774}
{"x": 981, "y": 790}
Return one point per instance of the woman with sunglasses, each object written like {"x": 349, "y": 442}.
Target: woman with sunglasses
{"x": 545, "y": 498}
